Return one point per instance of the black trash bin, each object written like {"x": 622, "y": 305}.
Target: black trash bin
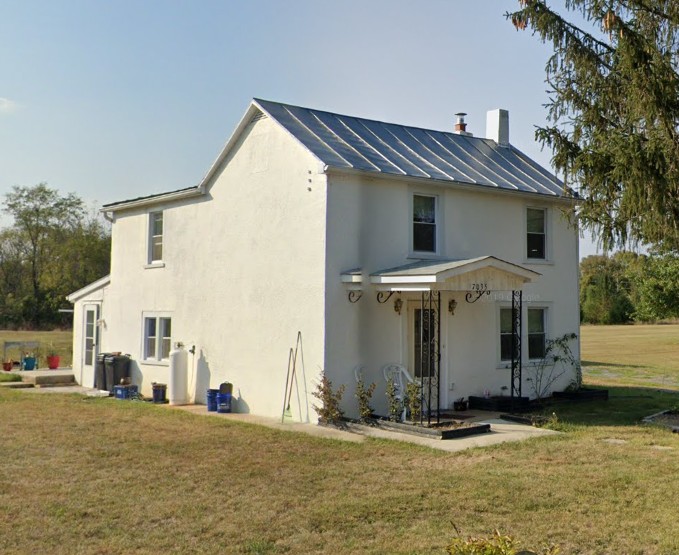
{"x": 100, "y": 373}
{"x": 116, "y": 368}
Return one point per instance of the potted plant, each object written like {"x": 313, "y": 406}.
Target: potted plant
{"x": 459, "y": 404}
{"x": 52, "y": 359}
{"x": 7, "y": 365}
{"x": 29, "y": 361}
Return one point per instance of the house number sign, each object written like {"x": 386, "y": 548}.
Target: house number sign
{"x": 477, "y": 290}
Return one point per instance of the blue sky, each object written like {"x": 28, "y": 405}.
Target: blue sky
{"x": 119, "y": 99}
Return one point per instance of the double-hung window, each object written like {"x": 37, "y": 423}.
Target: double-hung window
{"x": 536, "y": 333}
{"x": 157, "y": 337}
{"x": 424, "y": 223}
{"x": 506, "y": 335}
{"x": 155, "y": 237}
{"x": 536, "y": 233}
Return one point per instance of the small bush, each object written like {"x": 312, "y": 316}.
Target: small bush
{"x": 329, "y": 412}
{"x": 495, "y": 545}
{"x": 414, "y": 393}
{"x": 394, "y": 404}
{"x": 10, "y": 377}
{"x": 363, "y": 396}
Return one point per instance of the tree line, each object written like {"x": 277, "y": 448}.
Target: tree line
{"x": 53, "y": 247}
{"x": 626, "y": 287}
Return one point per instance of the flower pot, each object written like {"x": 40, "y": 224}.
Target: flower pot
{"x": 7, "y": 366}
{"x": 459, "y": 405}
{"x": 53, "y": 362}
{"x": 29, "y": 363}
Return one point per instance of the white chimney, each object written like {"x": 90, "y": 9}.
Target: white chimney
{"x": 497, "y": 126}
{"x": 461, "y": 126}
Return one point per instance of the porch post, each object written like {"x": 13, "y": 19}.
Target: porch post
{"x": 517, "y": 315}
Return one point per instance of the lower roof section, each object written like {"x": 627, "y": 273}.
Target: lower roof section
{"x": 485, "y": 273}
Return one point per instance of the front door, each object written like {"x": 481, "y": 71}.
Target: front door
{"x": 424, "y": 351}
{"x": 90, "y": 340}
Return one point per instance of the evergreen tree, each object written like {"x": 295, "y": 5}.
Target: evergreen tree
{"x": 613, "y": 112}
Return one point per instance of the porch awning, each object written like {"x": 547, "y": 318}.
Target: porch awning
{"x": 486, "y": 273}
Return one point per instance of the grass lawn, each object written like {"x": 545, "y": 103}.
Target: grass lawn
{"x": 104, "y": 476}
{"x": 631, "y": 355}
{"x": 60, "y": 341}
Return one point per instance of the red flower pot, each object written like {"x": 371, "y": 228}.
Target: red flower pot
{"x": 53, "y": 362}
{"x": 7, "y": 366}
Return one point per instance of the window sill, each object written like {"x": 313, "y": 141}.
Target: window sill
{"x": 424, "y": 256}
{"x": 154, "y": 265}
{"x": 153, "y": 362}
{"x": 538, "y": 261}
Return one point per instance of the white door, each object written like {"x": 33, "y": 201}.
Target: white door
{"x": 423, "y": 349}
{"x": 90, "y": 340}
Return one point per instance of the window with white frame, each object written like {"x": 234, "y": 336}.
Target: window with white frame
{"x": 536, "y": 233}
{"x": 155, "y": 237}
{"x": 536, "y": 332}
{"x": 506, "y": 335}
{"x": 157, "y": 337}
{"x": 424, "y": 223}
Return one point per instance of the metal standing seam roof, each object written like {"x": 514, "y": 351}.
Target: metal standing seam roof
{"x": 348, "y": 142}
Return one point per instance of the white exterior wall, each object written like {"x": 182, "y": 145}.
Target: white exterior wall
{"x": 369, "y": 222}
{"x": 84, "y": 375}
{"x": 243, "y": 272}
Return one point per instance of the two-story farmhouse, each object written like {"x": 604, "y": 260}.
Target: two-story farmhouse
{"x": 443, "y": 252}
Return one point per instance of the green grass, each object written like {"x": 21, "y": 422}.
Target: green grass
{"x": 646, "y": 356}
{"x": 8, "y": 377}
{"x": 59, "y": 341}
{"x": 104, "y": 476}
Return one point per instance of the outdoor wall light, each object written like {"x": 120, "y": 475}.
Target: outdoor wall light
{"x": 452, "y": 305}
{"x": 398, "y": 305}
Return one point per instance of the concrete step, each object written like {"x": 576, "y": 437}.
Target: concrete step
{"x": 16, "y": 385}
{"x": 48, "y": 378}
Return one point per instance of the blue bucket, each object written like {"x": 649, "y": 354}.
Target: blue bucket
{"x": 223, "y": 402}
{"x": 212, "y": 400}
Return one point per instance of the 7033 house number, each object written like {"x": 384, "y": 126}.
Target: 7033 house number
{"x": 479, "y": 287}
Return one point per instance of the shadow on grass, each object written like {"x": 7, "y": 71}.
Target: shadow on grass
{"x": 626, "y": 406}
{"x": 609, "y": 364}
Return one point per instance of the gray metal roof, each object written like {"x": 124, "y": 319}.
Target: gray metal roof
{"x": 386, "y": 148}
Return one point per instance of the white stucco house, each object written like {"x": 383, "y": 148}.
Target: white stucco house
{"x": 380, "y": 243}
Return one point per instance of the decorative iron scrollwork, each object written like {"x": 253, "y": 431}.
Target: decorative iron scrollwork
{"x": 383, "y": 297}
{"x": 355, "y": 296}
{"x": 473, "y": 296}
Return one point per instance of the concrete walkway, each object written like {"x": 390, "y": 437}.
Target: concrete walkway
{"x": 502, "y": 431}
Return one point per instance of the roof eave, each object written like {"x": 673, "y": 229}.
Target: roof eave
{"x": 149, "y": 201}
{"x": 474, "y": 187}
{"x": 90, "y": 288}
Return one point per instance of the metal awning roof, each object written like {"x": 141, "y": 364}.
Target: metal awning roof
{"x": 485, "y": 273}
{"x": 347, "y": 142}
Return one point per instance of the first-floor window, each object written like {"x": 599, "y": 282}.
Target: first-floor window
{"x": 506, "y": 335}
{"x": 157, "y": 334}
{"x": 536, "y": 332}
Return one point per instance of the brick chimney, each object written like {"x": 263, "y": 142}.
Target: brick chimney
{"x": 460, "y": 125}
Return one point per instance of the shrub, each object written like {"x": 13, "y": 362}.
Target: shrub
{"x": 414, "y": 393}
{"x": 495, "y": 545}
{"x": 363, "y": 396}
{"x": 329, "y": 412}
{"x": 10, "y": 377}
{"x": 394, "y": 404}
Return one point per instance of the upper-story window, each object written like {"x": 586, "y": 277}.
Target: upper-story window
{"x": 155, "y": 237}
{"x": 424, "y": 223}
{"x": 536, "y": 233}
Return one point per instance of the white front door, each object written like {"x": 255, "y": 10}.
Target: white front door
{"x": 423, "y": 349}
{"x": 90, "y": 340}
